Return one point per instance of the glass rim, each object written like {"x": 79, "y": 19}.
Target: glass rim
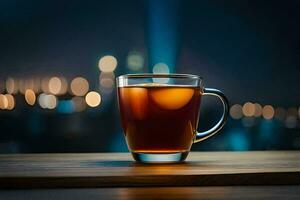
{"x": 151, "y": 75}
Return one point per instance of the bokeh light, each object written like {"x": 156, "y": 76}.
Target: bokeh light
{"x": 236, "y": 111}
{"x": 292, "y": 112}
{"x": 47, "y": 101}
{"x": 37, "y": 85}
{"x": 248, "y": 109}
{"x": 258, "y": 110}
{"x": 11, "y": 86}
{"x": 135, "y": 61}
{"x": 45, "y": 85}
{"x": 21, "y": 85}
{"x": 79, "y": 104}
{"x": 2, "y": 85}
{"x": 79, "y": 86}
{"x": 299, "y": 112}
{"x": 280, "y": 113}
{"x": 30, "y": 97}
{"x": 51, "y": 101}
{"x": 107, "y": 63}
{"x": 10, "y": 101}
{"x": 29, "y": 84}
{"x": 42, "y": 100}
{"x": 55, "y": 85}
{"x": 64, "y": 85}
{"x": 291, "y": 121}
{"x": 161, "y": 68}
{"x": 3, "y": 102}
{"x": 248, "y": 121}
{"x": 93, "y": 99}
{"x": 107, "y": 82}
{"x": 268, "y": 112}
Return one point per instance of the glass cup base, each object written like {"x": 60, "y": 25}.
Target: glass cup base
{"x": 160, "y": 157}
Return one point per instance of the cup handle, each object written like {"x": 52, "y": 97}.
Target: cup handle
{"x": 200, "y": 136}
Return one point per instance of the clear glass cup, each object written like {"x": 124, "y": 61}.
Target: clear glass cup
{"x": 160, "y": 113}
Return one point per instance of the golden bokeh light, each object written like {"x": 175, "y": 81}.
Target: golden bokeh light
{"x": 45, "y": 85}
{"x": 3, "y": 102}
{"x": 93, "y": 99}
{"x": 107, "y": 80}
{"x": 299, "y": 112}
{"x": 21, "y": 85}
{"x": 29, "y": 84}
{"x": 30, "y": 97}
{"x": 11, "y": 86}
{"x": 10, "y": 102}
{"x": 55, "y": 85}
{"x": 258, "y": 110}
{"x": 268, "y": 112}
{"x": 64, "y": 85}
{"x": 37, "y": 85}
{"x": 79, "y": 86}
{"x": 79, "y": 104}
{"x": 236, "y": 111}
{"x": 249, "y": 109}
{"x": 2, "y": 85}
{"x": 107, "y": 63}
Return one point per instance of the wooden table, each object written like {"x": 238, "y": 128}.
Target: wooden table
{"x": 207, "y": 175}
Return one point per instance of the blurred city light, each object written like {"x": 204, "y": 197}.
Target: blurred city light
{"x": 55, "y": 85}
{"x": 58, "y": 85}
{"x": 161, "y": 68}
{"x": 107, "y": 82}
{"x": 93, "y": 99}
{"x": 292, "y": 112}
{"x": 280, "y": 113}
{"x": 2, "y": 85}
{"x": 291, "y": 121}
{"x": 107, "y": 63}
{"x": 268, "y": 112}
{"x": 47, "y": 101}
{"x": 51, "y": 101}
{"x": 37, "y": 85}
{"x": 11, "y": 86}
{"x": 10, "y": 101}
{"x": 248, "y": 121}
{"x": 258, "y": 110}
{"x": 236, "y": 111}
{"x": 42, "y": 100}
{"x": 45, "y": 85}
{"x": 249, "y": 109}
{"x": 30, "y": 97}
{"x": 3, "y": 102}
{"x": 64, "y": 86}
{"x": 79, "y": 86}
{"x": 135, "y": 61}
{"x": 79, "y": 104}
{"x": 65, "y": 106}
{"x": 29, "y": 84}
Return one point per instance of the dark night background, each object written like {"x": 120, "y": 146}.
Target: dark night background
{"x": 248, "y": 49}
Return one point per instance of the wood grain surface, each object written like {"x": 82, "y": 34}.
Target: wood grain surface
{"x": 119, "y": 170}
{"x": 165, "y": 193}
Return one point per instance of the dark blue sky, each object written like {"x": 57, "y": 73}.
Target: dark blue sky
{"x": 248, "y": 49}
